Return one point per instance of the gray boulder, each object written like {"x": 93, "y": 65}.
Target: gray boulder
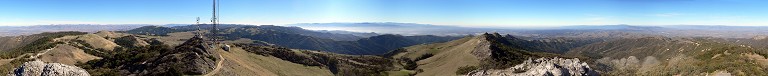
{"x": 542, "y": 67}
{"x": 190, "y": 58}
{"x": 39, "y": 68}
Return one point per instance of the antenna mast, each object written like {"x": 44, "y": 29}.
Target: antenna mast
{"x": 198, "y": 33}
{"x": 215, "y": 21}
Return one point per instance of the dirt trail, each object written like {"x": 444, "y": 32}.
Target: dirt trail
{"x": 355, "y": 62}
{"x": 218, "y": 67}
{"x": 6, "y": 61}
{"x": 38, "y": 54}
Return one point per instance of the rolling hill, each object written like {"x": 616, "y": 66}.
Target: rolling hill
{"x": 483, "y": 52}
{"x": 36, "y": 29}
{"x": 673, "y": 56}
{"x": 293, "y": 37}
{"x": 292, "y": 51}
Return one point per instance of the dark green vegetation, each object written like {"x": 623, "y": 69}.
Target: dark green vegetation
{"x": 193, "y": 57}
{"x": 297, "y": 38}
{"x": 291, "y": 30}
{"x": 622, "y": 54}
{"x": 758, "y": 42}
{"x": 154, "y": 59}
{"x": 190, "y": 58}
{"x": 465, "y": 69}
{"x": 367, "y": 46}
{"x": 29, "y": 44}
{"x": 159, "y": 59}
{"x": 38, "y": 42}
{"x": 152, "y": 30}
{"x": 505, "y": 54}
{"x": 123, "y": 61}
{"x": 297, "y": 30}
{"x": 338, "y": 64}
{"x": 393, "y": 52}
{"x": 422, "y": 57}
{"x": 13, "y": 64}
{"x": 485, "y": 51}
{"x": 673, "y": 56}
{"x": 551, "y": 45}
{"x": 409, "y": 64}
{"x": 128, "y": 41}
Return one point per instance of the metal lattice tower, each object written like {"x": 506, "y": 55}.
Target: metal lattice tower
{"x": 215, "y": 21}
{"x": 198, "y": 33}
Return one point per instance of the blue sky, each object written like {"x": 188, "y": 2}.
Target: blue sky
{"x": 500, "y": 13}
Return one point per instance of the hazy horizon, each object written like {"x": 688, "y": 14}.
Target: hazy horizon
{"x": 466, "y": 13}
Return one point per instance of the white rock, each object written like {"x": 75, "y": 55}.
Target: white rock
{"x": 38, "y": 68}
{"x": 542, "y": 67}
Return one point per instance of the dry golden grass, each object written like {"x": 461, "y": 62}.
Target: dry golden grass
{"x": 110, "y": 34}
{"x": 173, "y": 39}
{"x": 759, "y": 59}
{"x": 241, "y": 40}
{"x": 243, "y": 63}
{"x": 448, "y": 56}
{"x": 97, "y": 41}
{"x": 67, "y": 54}
{"x": 417, "y": 50}
{"x": 5, "y": 61}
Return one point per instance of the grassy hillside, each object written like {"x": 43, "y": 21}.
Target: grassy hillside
{"x": 152, "y": 30}
{"x": 487, "y": 51}
{"x": 367, "y": 46}
{"x": 240, "y": 62}
{"x": 442, "y": 59}
{"x": 558, "y": 45}
{"x": 673, "y": 56}
{"x": 38, "y": 42}
{"x": 67, "y": 54}
{"x": 297, "y": 38}
{"x": 337, "y": 64}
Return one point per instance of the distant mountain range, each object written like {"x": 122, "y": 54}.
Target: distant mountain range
{"x": 368, "y": 29}
{"x": 397, "y": 28}
{"x": 610, "y": 27}
{"x": 28, "y": 30}
{"x": 268, "y": 50}
{"x": 298, "y": 38}
{"x": 427, "y": 29}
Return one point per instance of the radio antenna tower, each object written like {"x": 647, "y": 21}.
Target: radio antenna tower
{"x": 198, "y": 33}
{"x": 197, "y": 22}
{"x": 215, "y": 21}
{"x": 215, "y": 30}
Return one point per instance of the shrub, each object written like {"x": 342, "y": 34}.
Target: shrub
{"x": 43, "y": 43}
{"x": 123, "y": 59}
{"x": 465, "y": 69}
{"x": 409, "y": 64}
{"x": 13, "y": 64}
{"x": 422, "y": 57}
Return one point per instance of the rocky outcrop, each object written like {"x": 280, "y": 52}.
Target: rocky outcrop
{"x": 38, "y": 68}
{"x": 542, "y": 67}
{"x": 482, "y": 49}
{"x": 190, "y": 58}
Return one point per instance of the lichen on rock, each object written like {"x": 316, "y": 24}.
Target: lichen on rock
{"x": 542, "y": 67}
{"x": 39, "y": 68}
